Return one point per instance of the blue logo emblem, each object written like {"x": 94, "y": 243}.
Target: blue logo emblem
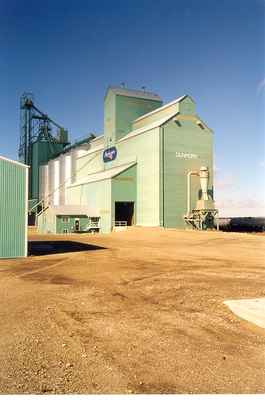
{"x": 109, "y": 154}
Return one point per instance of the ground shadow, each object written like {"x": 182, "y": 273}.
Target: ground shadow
{"x": 42, "y": 248}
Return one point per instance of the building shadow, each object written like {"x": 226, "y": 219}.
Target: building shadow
{"x": 42, "y": 248}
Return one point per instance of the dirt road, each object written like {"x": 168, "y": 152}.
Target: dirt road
{"x": 133, "y": 312}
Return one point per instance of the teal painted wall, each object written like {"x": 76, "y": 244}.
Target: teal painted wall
{"x": 102, "y": 195}
{"x": 130, "y": 108}
{"x": 187, "y": 106}
{"x": 96, "y": 195}
{"x": 61, "y": 224}
{"x": 109, "y": 118}
{"x": 48, "y": 222}
{"x": 143, "y": 149}
{"x": 124, "y": 188}
{"x": 119, "y": 113}
{"x": 13, "y": 210}
{"x": 187, "y": 138}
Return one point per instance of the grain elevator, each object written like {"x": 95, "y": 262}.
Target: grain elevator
{"x": 152, "y": 166}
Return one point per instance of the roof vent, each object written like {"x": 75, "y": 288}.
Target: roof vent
{"x": 200, "y": 124}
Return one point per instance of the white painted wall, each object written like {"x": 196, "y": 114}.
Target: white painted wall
{"x": 44, "y": 182}
{"x": 56, "y": 183}
{"x": 62, "y": 179}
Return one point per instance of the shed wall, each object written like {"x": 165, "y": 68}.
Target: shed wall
{"x": 13, "y": 209}
{"x": 96, "y": 195}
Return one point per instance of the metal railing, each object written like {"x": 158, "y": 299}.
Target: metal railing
{"x": 120, "y": 223}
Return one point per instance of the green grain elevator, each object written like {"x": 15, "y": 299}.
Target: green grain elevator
{"x": 38, "y": 142}
{"x": 152, "y": 167}
{"x": 13, "y": 208}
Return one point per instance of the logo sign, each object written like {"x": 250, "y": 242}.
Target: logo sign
{"x": 109, "y": 154}
{"x": 186, "y": 155}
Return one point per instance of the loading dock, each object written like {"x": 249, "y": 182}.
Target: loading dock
{"x": 124, "y": 212}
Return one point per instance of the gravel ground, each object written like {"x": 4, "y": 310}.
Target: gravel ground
{"x": 139, "y": 311}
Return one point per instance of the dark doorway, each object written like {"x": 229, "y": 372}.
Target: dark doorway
{"x": 124, "y": 211}
{"x": 77, "y": 225}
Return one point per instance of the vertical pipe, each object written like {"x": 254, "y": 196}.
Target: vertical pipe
{"x": 204, "y": 177}
{"x": 188, "y": 193}
{"x": 188, "y": 190}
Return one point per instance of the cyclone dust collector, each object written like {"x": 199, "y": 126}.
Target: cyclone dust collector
{"x": 205, "y": 215}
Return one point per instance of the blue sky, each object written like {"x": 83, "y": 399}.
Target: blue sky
{"x": 68, "y": 52}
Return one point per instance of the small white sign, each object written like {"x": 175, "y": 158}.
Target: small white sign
{"x": 181, "y": 154}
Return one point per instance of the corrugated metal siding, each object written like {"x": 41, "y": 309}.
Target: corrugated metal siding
{"x": 143, "y": 149}
{"x": 13, "y": 181}
{"x": 121, "y": 110}
{"x": 128, "y": 109}
{"x": 96, "y": 195}
{"x": 150, "y": 119}
{"x": 188, "y": 138}
{"x": 69, "y": 225}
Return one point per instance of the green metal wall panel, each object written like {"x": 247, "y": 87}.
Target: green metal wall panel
{"x": 143, "y": 149}
{"x": 150, "y": 119}
{"x": 96, "y": 195}
{"x": 109, "y": 118}
{"x": 13, "y": 209}
{"x": 119, "y": 113}
{"x": 188, "y": 138}
{"x": 130, "y": 108}
{"x": 61, "y": 224}
{"x": 51, "y": 223}
{"x": 187, "y": 106}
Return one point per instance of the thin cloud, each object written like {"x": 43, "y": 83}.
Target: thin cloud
{"x": 261, "y": 86}
{"x": 249, "y": 207}
{"x": 224, "y": 181}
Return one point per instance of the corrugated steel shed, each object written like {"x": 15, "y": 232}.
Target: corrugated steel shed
{"x": 13, "y": 208}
